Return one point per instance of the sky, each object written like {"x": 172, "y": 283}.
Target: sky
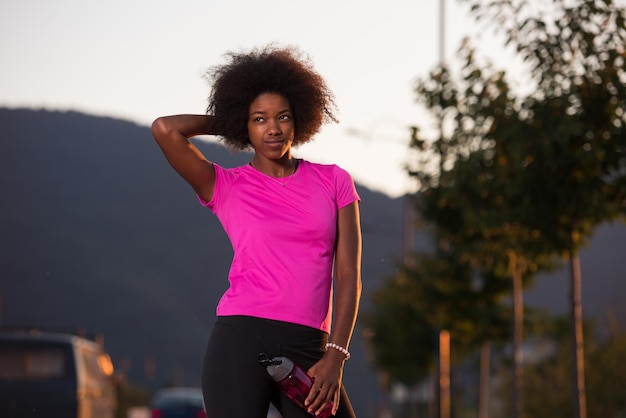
{"x": 140, "y": 59}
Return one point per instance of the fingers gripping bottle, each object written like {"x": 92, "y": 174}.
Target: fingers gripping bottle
{"x": 294, "y": 382}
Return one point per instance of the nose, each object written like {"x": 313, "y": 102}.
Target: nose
{"x": 273, "y": 127}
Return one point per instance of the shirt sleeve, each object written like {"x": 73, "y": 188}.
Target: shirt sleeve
{"x": 346, "y": 190}
{"x": 219, "y": 180}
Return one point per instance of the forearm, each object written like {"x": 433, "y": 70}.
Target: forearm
{"x": 347, "y": 298}
{"x": 348, "y": 275}
{"x": 328, "y": 372}
{"x": 185, "y": 126}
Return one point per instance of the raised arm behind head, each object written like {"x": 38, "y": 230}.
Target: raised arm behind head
{"x": 172, "y": 133}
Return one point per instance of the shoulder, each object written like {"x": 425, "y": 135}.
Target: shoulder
{"x": 225, "y": 179}
{"x": 332, "y": 170}
{"x": 232, "y": 172}
{"x": 335, "y": 179}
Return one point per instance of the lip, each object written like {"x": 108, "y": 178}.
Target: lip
{"x": 275, "y": 143}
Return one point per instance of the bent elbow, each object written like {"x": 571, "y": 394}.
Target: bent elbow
{"x": 159, "y": 128}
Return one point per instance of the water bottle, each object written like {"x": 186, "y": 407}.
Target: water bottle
{"x": 294, "y": 382}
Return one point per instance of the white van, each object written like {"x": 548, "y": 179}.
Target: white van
{"x": 54, "y": 375}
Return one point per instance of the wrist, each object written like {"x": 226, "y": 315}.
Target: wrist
{"x": 339, "y": 349}
{"x": 209, "y": 125}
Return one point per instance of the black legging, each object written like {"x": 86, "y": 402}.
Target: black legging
{"x": 235, "y": 385}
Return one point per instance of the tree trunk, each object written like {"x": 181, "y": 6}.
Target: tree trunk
{"x": 518, "y": 327}
{"x": 579, "y": 392}
{"x": 484, "y": 380}
{"x": 444, "y": 374}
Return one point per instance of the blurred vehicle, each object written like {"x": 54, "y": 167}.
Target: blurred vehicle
{"x": 178, "y": 402}
{"x": 54, "y": 375}
{"x": 184, "y": 402}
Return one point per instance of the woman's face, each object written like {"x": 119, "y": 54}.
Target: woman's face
{"x": 271, "y": 126}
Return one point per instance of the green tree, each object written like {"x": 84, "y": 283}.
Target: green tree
{"x": 513, "y": 179}
{"x": 534, "y": 175}
{"x": 475, "y": 198}
{"x": 607, "y": 398}
{"x": 576, "y": 54}
{"x": 401, "y": 339}
{"x": 548, "y": 377}
{"x": 436, "y": 292}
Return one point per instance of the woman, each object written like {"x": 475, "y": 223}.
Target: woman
{"x": 290, "y": 222}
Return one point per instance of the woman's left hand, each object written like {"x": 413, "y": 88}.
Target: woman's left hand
{"x": 327, "y": 376}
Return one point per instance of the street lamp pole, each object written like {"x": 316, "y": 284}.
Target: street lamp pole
{"x": 444, "y": 335}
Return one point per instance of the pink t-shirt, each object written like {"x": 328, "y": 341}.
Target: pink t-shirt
{"x": 283, "y": 235}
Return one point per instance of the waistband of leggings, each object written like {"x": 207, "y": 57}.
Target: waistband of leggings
{"x": 272, "y": 327}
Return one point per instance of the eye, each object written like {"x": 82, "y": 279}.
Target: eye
{"x": 258, "y": 119}
{"x": 284, "y": 117}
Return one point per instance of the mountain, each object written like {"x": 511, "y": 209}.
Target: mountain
{"x": 98, "y": 233}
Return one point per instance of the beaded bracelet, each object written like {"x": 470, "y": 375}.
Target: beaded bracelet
{"x": 340, "y": 348}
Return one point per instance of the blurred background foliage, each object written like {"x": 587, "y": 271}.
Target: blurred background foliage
{"x": 515, "y": 182}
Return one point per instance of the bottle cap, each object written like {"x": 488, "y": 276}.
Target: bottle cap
{"x": 278, "y": 367}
